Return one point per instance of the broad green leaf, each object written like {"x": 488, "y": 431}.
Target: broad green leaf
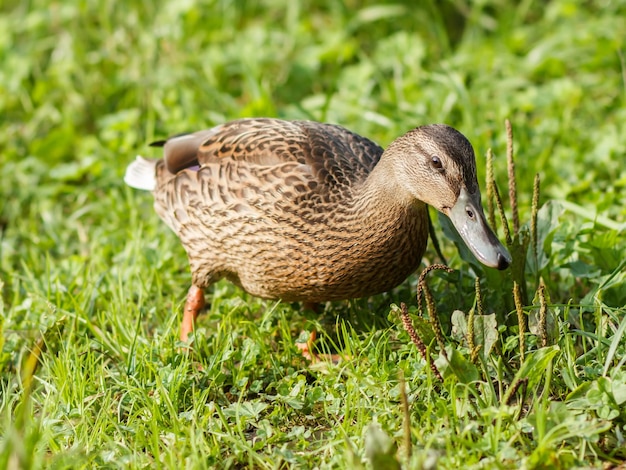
{"x": 459, "y": 326}
{"x": 380, "y": 449}
{"x": 618, "y": 387}
{"x": 485, "y": 331}
{"x": 248, "y": 409}
{"x": 457, "y": 365}
{"x": 534, "y": 367}
{"x": 547, "y": 223}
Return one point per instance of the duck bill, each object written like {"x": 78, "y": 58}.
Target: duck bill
{"x": 468, "y": 218}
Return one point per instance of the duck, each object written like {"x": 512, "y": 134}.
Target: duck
{"x": 308, "y": 211}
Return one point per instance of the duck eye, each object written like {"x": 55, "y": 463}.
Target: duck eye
{"x": 435, "y": 161}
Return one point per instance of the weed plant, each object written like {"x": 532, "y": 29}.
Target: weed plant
{"x": 530, "y": 362}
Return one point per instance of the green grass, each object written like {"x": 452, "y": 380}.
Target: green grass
{"x": 92, "y": 283}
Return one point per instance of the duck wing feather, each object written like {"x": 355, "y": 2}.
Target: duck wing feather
{"x": 327, "y": 154}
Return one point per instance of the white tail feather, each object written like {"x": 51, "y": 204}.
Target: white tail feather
{"x": 141, "y": 174}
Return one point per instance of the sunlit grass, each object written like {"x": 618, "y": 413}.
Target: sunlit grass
{"x": 92, "y": 283}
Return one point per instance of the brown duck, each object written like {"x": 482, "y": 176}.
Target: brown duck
{"x": 305, "y": 211}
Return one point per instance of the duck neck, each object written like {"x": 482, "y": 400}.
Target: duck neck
{"x": 388, "y": 223}
{"x": 382, "y": 193}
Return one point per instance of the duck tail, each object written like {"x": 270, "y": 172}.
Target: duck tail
{"x": 141, "y": 174}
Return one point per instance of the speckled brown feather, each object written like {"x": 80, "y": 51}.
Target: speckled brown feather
{"x": 273, "y": 208}
{"x": 299, "y": 210}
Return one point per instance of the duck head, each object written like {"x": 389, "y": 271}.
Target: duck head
{"x": 435, "y": 164}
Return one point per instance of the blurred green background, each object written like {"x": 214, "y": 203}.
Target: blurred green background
{"x": 86, "y": 85}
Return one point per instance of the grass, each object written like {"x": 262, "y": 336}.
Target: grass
{"x": 92, "y": 282}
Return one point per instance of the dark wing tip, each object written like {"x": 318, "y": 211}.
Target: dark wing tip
{"x": 161, "y": 143}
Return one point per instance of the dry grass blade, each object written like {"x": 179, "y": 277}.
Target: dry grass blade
{"x": 533, "y": 216}
{"x": 417, "y": 341}
{"x": 543, "y": 314}
{"x": 521, "y": 320}
{"x": 406, "y": 417}
{"x": 31, "y": 364}
{"x": 470, "y": 322}
{"x": 421, "y": 282}
{"x": 511, "y": 173}
{"x": 512, "y": 390}
{"x": 431, "y": 308}
{"x": 479, "y": 298}
{"x": 434, "y": 320}
{"x": 491, "y": 213}
{"x": 505, "y": 223}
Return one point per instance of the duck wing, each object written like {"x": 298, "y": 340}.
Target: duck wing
{"x": 328, "y": 154}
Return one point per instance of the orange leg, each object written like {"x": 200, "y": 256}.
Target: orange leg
{"x": 193, "y": 305}
{"x": 306, "y": 349}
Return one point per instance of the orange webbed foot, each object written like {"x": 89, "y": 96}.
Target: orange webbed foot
{"x": 306, "y": 349}
{"x": 193, "y": 305}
